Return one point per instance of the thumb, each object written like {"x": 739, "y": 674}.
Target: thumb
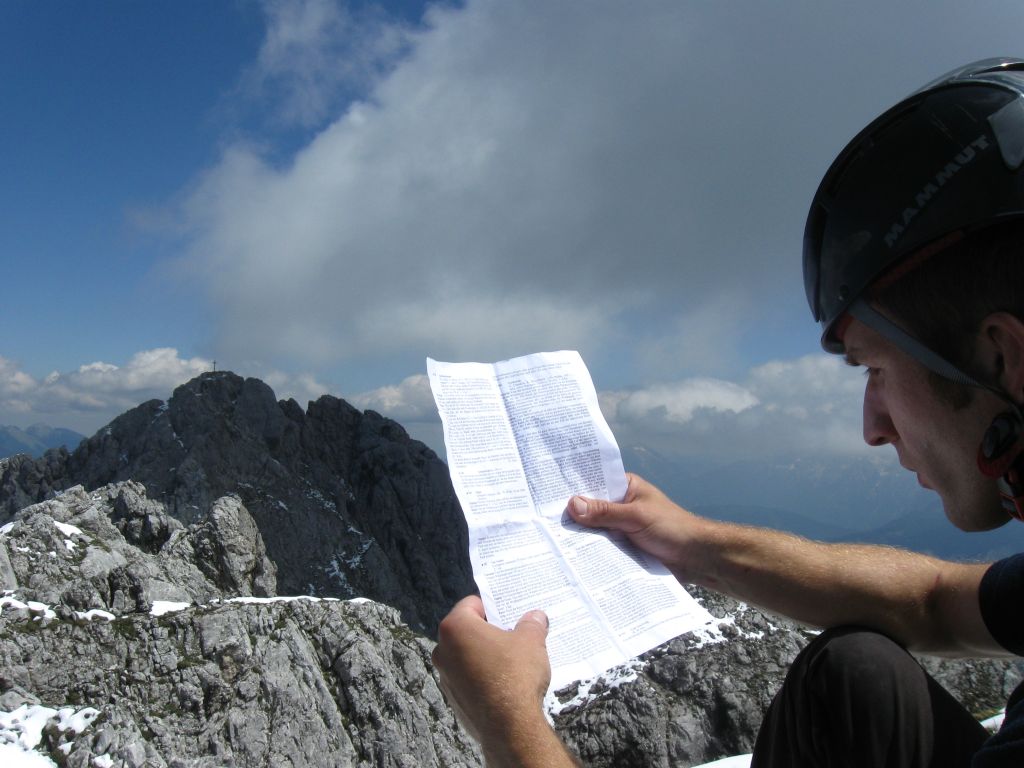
{"x": 598, "y": 513}
{"x": 535, "y": 623}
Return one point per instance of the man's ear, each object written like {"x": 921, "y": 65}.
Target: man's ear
{"x": 1001, "y": 352}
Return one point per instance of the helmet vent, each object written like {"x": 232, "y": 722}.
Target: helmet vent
{"x": 1008, "y": 127}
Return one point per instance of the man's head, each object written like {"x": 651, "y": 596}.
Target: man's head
{"x": 913, "y": 259}
{"x": 934, "y": 438}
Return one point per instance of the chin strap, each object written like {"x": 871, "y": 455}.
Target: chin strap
{"x": 882, "y": 325}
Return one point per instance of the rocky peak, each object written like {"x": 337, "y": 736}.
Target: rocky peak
{"x": 347, "y": 504}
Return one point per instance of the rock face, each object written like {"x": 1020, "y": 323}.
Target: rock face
{"x": 224, "y": 680}
{"x": 235, "y": 676}
{"x": 291, "y": 683}
{"x": 118, "y": 551}
{"x": 347, "y": 504}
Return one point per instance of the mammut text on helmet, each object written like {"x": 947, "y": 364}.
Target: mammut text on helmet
{"x": 922, "y": 198}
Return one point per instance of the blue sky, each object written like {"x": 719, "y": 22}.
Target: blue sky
{"x": 322, "y": 194}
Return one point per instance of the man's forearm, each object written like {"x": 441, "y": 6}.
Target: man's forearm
{"x": 529, "y": 745}
{"x": 921, "y": 602}
{"x": 924, "y": 603}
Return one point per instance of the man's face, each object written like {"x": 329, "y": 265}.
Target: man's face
{"x": 932, "y": 439}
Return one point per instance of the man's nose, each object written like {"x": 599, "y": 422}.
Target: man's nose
{"x": 878, "y": 426}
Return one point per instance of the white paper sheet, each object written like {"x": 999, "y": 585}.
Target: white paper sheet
{"x": 522, "y": 437}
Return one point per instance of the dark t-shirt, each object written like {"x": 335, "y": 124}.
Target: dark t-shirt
{"x": 1002, "y": 607}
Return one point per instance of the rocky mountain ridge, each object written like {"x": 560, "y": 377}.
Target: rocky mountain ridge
{"x": 347, "y": 504}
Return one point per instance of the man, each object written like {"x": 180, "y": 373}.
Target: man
{"x": 914, "y": 266}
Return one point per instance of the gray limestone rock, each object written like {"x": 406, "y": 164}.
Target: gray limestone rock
{"x": 231, "y": 550}
{"x": 100, "y": 550}
{"x": 230, "y": 679}
{"x": 225, "y": 679}
{"x": 307, "y": 682}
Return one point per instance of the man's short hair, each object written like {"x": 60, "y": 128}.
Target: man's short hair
{"x": 944, "y": 301}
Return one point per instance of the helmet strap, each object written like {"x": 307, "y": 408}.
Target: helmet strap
{"x": 931, "y": 360}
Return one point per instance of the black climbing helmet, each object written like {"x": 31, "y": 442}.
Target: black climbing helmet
{"x": 943, "y": 162}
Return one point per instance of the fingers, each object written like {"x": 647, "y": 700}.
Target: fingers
{"x": 468, "y": 606}
{"x": 638, "y": 488}
{"x": 494, "y": 679}
{"x": 470, "y": 653}
{"x": 467, "y": 618}
{"x": 466, "y": 613}
{"x": 633, "y": 485}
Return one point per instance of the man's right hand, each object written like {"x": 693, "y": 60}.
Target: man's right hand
{"x": 651, "y": 520}
{"x": 495, "y": 681}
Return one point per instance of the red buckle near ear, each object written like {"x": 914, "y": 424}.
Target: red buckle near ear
{"x": 1012, "y": 491}
{"x": 1000, "y": 467}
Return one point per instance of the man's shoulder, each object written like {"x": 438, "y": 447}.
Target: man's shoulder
{"x": 1000, "y": 597}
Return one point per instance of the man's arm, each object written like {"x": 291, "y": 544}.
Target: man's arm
{"x": 925, "y": 604}
{"x": 495, "y": 681}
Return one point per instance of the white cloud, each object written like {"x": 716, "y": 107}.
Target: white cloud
{"x": 95, "y": 392}
{"x": 629, "y": 180}
{"x": 148, "y": 370}
{"x": 525, "y": 176}
{"x": 315, "y": 50}
{"x": 468, "y": 327}
{"x": 13, "y": 382}
{"x": 408, "y": 402}
{"x": 808, "y": 406}
{"x": 676, "y": 403}
{"x": 91, "y": 395}
{"x": 301, "y": 387}
{"x": 815, "y": 381}
{"x": 703, "y": 335}
{"x": 802, "y": 407}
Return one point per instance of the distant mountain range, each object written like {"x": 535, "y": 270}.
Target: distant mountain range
{"x": 36, "y": 440}
{"x": 858, "y": 499}
{"x": 861, "y": 499}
